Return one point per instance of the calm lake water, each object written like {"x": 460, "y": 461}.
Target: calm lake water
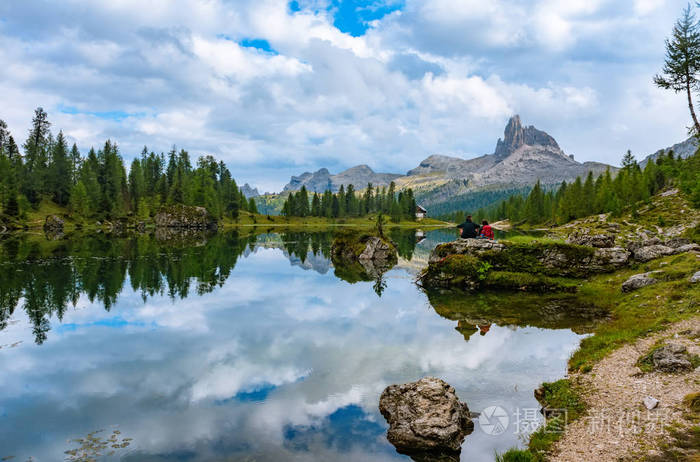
{"x": 249, "y": 348}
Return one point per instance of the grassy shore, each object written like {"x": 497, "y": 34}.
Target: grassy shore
{"x": 637, "y": 315}
{"x": 35, "y": 218}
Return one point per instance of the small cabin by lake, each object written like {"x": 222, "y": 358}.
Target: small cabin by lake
{"x": 421, "y": 212}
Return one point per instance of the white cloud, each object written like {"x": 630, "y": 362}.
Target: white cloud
{"x": 436, "y": 77}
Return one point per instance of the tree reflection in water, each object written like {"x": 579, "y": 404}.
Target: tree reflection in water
{"x": 45, "y": 276}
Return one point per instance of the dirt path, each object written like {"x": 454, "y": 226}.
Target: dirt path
{"x": 618, "y": 426}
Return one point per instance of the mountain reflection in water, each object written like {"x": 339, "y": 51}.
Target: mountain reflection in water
{"x": 246, "y": 347}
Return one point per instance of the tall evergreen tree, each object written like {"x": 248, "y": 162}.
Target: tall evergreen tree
{"x": 680, "y": 72}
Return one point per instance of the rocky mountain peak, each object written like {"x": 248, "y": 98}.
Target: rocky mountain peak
{"x": 249, "y": 191}
{"x": 515, "y": 136}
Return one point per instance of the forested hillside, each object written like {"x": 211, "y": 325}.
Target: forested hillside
{"x": 350, "y": 203}
{"x": 97, "y": 185}
{"x": 603, "y": 194}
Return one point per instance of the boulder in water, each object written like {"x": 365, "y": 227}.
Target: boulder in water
{"x": 53, "y": 223}
{"x": 425, "y": 415}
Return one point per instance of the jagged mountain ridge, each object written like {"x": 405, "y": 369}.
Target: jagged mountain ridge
{"x": 248, "y": 191}
{"x": 322, "y": 179}
{"x": 683, "y": 149}
{"x": 523, "y": 156}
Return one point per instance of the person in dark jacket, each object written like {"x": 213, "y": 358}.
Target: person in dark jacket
{"x": 469, "y": 229}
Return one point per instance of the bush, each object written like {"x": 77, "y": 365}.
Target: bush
{"x": 516, "y": 455}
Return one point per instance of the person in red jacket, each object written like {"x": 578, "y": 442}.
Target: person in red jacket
{"x": 486, "y": 230}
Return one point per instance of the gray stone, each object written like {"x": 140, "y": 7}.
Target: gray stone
{"x": 638, "y": 281}
{"x": 610, "y": 258}
{"x": 687, "y": 248}
{"x": 465, "y": 247}
{"x": 183, "y": 216}
{"x": 695, "y": 277}
{"x": 651, "y": 252}
{"x": 650, "y": 402}
{"x": 425, "y": 416}
{"x": 53, "y": 223}
{"x": 672, "y": 357}
{"x": 586, "y": 237}
{"x": 677, "y": 242}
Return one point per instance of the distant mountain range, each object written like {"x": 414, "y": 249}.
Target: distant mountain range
{"x": 683, "y": 149}
{"x": 322, "y": 180}
{"x": 249, "y": 191}
{"x": 523, "y": 156}
{"x": 446, "y": 183}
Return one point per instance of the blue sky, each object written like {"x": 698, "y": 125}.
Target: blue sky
{"x": 276, "y": 88}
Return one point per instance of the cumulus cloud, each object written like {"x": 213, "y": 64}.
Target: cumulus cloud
{"x": 429, "y": 76}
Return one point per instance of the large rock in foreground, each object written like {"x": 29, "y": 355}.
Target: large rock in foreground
{"x": 185, "y": 217}
{"x": 425, "y": 416}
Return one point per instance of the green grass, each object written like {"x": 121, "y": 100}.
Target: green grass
{"x": 561, "y": 395}
{"x": 526, "y": 239}
{"x": 641, "y": 312}
{"x": 249, "y": 219}
{"x": 516, "y": 455}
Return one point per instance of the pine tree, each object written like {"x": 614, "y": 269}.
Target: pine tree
{"x": 683, "y": 61}
{"x": 36, "y": 156}
{"x": 252, "y": 206}
{"x": 75, "y": 163}
{"x": 60, "y": 173}
{"x": 316, "y": 206}
{"x": 79, "y": 200}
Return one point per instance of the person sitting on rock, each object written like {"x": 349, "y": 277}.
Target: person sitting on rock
{"x": 469, "y": 229}
{"x": 486, "y": 230}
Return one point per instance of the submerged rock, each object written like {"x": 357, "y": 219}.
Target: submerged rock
{"x": 183, "y": 216}
{"x": 638, "y": 281}
{"x": 671, "y": 358}
{"x": 425, "y": 415}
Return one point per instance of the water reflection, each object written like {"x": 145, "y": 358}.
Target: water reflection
{"x": 239, "y": 347}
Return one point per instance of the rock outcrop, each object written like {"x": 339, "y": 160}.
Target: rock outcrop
{"x": 474, "y": 247}
{"x": 671, "y": 358}
{"x": 475, "y": 263}
{"x": 53, "y": 224}
{"x": 361, "y": 257}
{"x": 638, "y": 281}
{"x": 588, "y": 238}
{"x": 185, "y": 217}
{"x": 425, "y": 415}
{"x": 651, "y": 249}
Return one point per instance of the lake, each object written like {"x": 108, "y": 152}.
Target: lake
{"x": 250, "y": 347}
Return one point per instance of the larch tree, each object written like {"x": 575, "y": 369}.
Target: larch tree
{"x": 682, "y": 62}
